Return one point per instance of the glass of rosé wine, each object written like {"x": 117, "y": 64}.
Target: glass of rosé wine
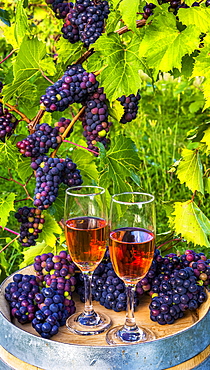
{"x": 86, "y": 231}
{"x": 131, "y": 247}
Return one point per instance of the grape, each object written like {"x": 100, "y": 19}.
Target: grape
{"x": 74, "y": 87}
{"x": 130, "y": 104}
{"x": 60, "y": 7}
{"x": 107, "y": 287}
{"x": 85, "y": 21}
{"x": 95, "y": 120}
{"x": 50, "y": 172}
{"x": 31, "y": 220}
{"x": 20, "y": 294}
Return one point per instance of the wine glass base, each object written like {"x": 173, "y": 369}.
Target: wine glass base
{"x": 81, "y": 324}
{"x": 119, "y": 336}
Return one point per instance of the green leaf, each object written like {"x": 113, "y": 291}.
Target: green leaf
{"x": 49, "y": 230}
{"x": 196, "y": 16}
{"x": 21, "y": 22}
{"x": 190, "y": 170}
{"x": 48, "y": 66}
{"x": 120, "y": 162}
{"x": 8, "y": 155}
{"x": 85, "y": 163}
{"x": 116, "y": 110}
{"x": 24, "y": 169}
{"x": 32, "y": 252}
{"x": 4, "y": 17}
{"x": 191, "y": 223}
{"x": 207, "y": 184}
{"x": 129, "y": 13}
{"x": 120, "y": 77}
{"x": 27, "y": 65}
{"x": 164, "y": 45}
{"x": 6, "y": 206}
{"x": 202, "y": 68}
{"x": 67, "y": 52}
{"x": 206, "y": 138}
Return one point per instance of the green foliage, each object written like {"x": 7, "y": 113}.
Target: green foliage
{"x": 164, "y": 151}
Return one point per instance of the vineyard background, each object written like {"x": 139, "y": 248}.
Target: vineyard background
{"x": 165, "y": 151}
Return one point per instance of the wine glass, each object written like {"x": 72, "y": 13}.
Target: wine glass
{"x": 131, "y": 246}
{"x": 86, "y": 230}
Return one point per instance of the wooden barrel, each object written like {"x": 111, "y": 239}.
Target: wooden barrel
{"x": 184, "y": 345}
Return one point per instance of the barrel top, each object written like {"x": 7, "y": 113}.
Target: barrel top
{"x": 177, "y": 342}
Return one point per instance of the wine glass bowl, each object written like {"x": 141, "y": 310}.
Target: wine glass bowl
{"x": 86, "y": 230}
{"x": 131, "y": 246}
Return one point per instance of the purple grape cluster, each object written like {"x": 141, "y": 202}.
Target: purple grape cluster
{"x": 52, "y": 313}
{"x": 95, "y": 120}
{"x": 60, "y": 7}
{"x": 20, "y": 294}
{"x": 62, "y": 125}
{"x": 8, "y": 121}
{"x": 174, "y": 6}
{"x": 130, "y": 104}
{"x": 32, "y": 221}
{"x": 107, "y": 287}
{"x": 44, "y": 138}
{"x": 74, "y": 87}
{"x": 175, "y": 283}
{"x": 176, "y": 295}
{"x": 85, "y": 21}
{"x": 57, "y": 273}
{"x": 50, "y": 173}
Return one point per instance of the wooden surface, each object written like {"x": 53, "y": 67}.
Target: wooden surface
{"x": 142, "y": 318}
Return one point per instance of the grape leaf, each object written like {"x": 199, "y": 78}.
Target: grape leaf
{"x": 206, "y": 138}
{"x": 67, "y": 52}
{"x": 8, "y": 155}
{"x": 190, "y": 170}
{"x": 30, "y": 253}
{"x": 202, "y": 68}
{"x": 196, "y": 15}
{"x": 191, "y": 223}
{"x": 164, "y": 45}
{"x": 116, "y": 110}
{"x": 129, "y": 13}
{"x": 120, "y": 77}
{"x": 24, "y": 169}
{"x": 27, "y": 65}
{"x": 115, "y": 3}
{"x": 21, "y": 22}
{"x": 6, "y": 206}
{"x": 120, "y": 162}
{"x": 49, "y": 230}
{"x": 85, "y": 163}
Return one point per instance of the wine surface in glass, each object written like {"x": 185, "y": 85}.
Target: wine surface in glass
{"x": 131, "y": 251}
{"x": 86, "y": 240}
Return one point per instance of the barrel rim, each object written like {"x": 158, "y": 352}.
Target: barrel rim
{"x": 94, "y": 346}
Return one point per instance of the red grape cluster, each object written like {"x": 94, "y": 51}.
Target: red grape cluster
{"x": 85, "y": 21}
{"x": 32, "y": 221}
{"x": 8, "y": 121}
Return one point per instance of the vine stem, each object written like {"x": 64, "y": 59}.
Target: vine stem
{"x": 63, "y": 136}
{"x": 18, "y": 183}
{"x": 80, "y": 146}
{"x": 11, "y": 231}
{"x": 169, "y": 241}
{"x": 7, "y": 245}
{"x": 36, "y": 120}
{"x": 14, "y": 109}
{"x": 8, "y": 56}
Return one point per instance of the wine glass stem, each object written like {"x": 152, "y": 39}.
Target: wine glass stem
{"x": 130, "y": 323}
{"x": 88, "y": 310}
